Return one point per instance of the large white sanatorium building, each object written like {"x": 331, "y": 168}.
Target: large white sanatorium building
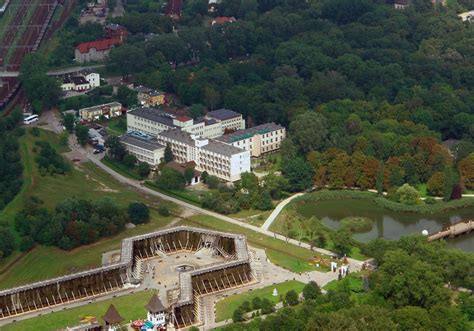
{"x": 153, "y": 121}
{"x": 218, "y": 159}
{"x": 226, "y": 157}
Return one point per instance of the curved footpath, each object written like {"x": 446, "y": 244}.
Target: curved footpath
{"x": 136, "y": 184}
{"x": 278, "y": 210}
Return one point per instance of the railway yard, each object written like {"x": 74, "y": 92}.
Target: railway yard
{"x": 23, "y": 34}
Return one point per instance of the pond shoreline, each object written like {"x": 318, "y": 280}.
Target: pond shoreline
{"x": 422, "y": 208}
{"x": 331, "y": 207}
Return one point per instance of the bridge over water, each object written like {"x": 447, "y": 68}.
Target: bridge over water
{"x": 58, "y": 72}
{"x": 453, "y": 230}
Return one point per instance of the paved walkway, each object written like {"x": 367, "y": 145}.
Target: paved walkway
{"x": 278, "y": 210}
{"x": 138, "y": 185}
{"x": 269, "y": 274}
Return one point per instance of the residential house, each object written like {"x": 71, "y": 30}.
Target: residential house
{"x": 467, "y": 16}
{"x": 259, "y": 140}
{"x": 108, "y": 110}
{"x": 148, "y": 97}
{"x": 402, "y": 4}
{"x": 216, "y": 158}
{"x": 93, "y": 78}
{"x": 222, "y": 20}
{"x": 115, "y": 31}
{"x": 95, "y": 50}
{"x": 78, "y": 84}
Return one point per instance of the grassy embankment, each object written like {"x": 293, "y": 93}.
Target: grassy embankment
{"x": 130, "y": 307}
{"x": 226, "y": 307}
{"x": 283, "y": 254}
{"x": 85, "y": 181}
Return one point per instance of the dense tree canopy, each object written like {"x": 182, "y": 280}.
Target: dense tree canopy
{"x": 11, "y": 168}
{"x": 73, "y": 222}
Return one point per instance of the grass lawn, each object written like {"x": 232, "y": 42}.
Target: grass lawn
{"x": 130, "y": 307}
{"x": 120, "y": 168}
{"x": 85, "y": 181}
{"x": 252, "y": 216}
{"x": 354, "y": 283}
{"x": 285, "y": 255}
{"x": 226, "y": 307}
{"x": 185, "y": 195}
{"x": 116, "y": 126}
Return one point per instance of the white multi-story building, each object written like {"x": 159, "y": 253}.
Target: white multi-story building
{"x": 228, "y": 119}
{"x": 93, "y": 78}
{"x": 261, "y": 139}
{"x": 153, "y": 121}
{"x": 216, "y": 158}
{"x": 145, "y": 149}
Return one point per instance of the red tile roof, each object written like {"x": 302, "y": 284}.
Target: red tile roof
{"x": 223, "y": 19}
{"x": 100, "y": 45}
{"x": 183, "y": 118}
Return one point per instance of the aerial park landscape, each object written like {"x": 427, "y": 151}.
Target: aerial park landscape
{"x": 236, "y": 165}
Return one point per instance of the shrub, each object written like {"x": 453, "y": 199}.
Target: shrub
{"x": 35, "y": 132}
{"x": 7, "y": 242}
{"x": 238, "y": 315}
{"x": 311, "y": 291}
{"x": 49, "y": 161}
{"x": 291, "y": 298}
{"x": 129, "y": 160}
{"x": 408, "y": 194}
{"x": 435, "y": 184}
{"x": 212, "y": 182}
{"x": 246, "y": 307}
{"x": 143, "y": 169}
{"x": 357, "y": 224}
{"x": 430, "y": 201}
{"x": 256, "y": 303}
{"x": 138, "y": 213}
{"x": 164, "y": 211}
{"x": 171, "y": 179}
{"x": 267, "y": 306}
{"x": 26, "y": 244}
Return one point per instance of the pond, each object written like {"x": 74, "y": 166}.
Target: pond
{"x": 387, "y": 224}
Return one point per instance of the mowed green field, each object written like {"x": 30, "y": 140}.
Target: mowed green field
{"x": 86, "y": 181}
{"x": 226, "y": 307}
{"x": 130, "y": 307}
{"x": 279, "y": 252}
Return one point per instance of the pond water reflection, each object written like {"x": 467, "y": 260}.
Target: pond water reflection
{"x": 387, "y": 224}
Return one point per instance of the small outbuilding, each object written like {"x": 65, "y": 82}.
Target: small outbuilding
{"x": 156, "y": 311}
{"x": 112, "y": 319}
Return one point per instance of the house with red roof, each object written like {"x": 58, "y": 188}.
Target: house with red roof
{"x": 223, "y": 19}
{"x": 95, "y": 50}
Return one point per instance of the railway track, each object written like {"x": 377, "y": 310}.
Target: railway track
{"x": 31, "y": 37}
{"x": 9, "y": 36}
